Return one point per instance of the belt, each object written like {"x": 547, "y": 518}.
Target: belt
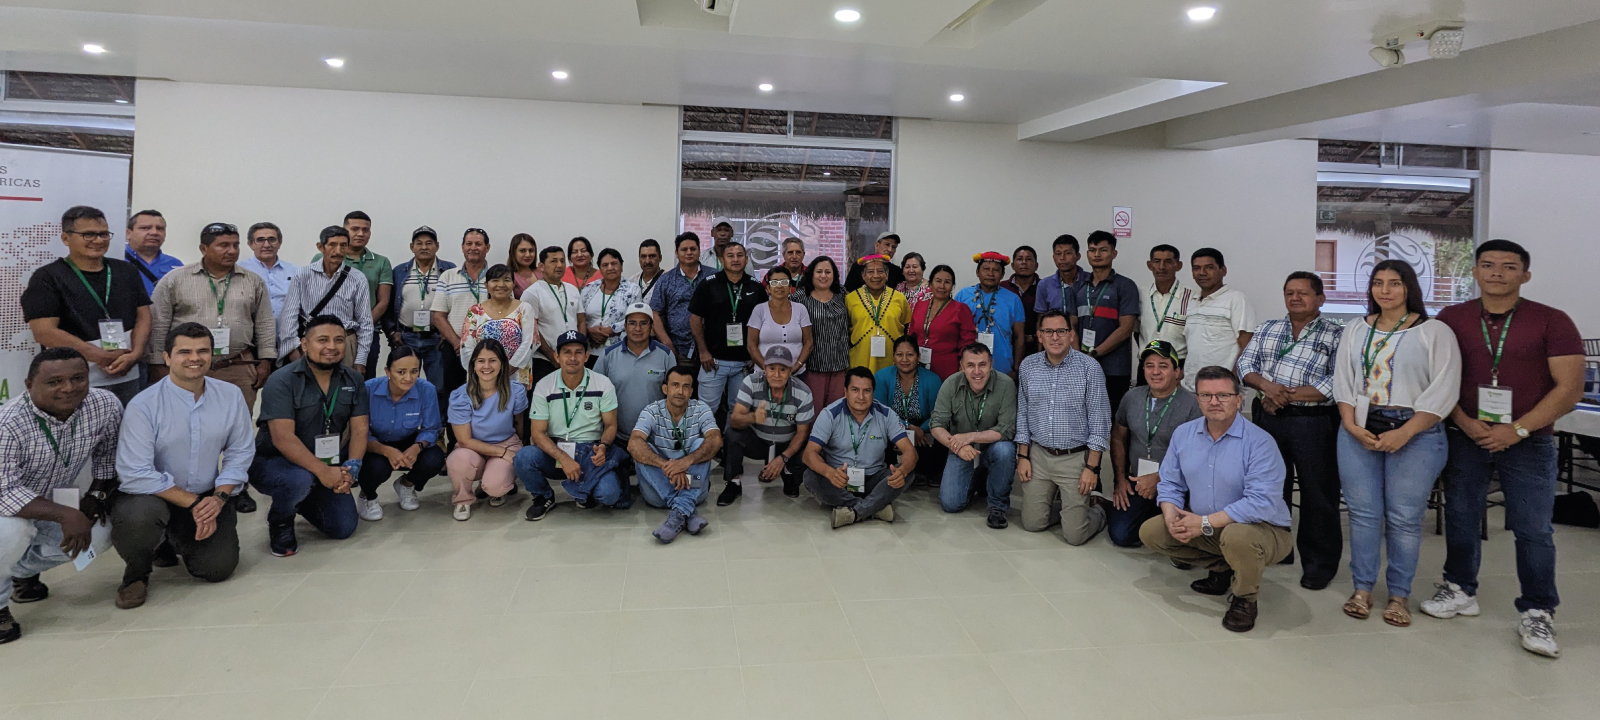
{"x": 1300, "y": 410}
{"x": 1059, "y": 453}
{"x": 243, "y": 358}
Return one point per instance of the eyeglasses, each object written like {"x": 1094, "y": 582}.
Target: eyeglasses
{"x": 271, "y": 239}
{"x": 220, "y": 229}
{"x": 778, "y": 282}
{"x": 1217, "y": 397}
{"x": 1054, "y": 332}
{"x": 638, "y": 323}
{"x": 91, "y": 235}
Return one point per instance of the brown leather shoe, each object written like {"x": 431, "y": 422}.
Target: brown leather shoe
{"x": 132, "y": 595}
{"x": 1241, "y": 615}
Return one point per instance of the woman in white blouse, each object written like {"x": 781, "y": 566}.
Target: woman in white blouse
{"x": 779, "y": 321}
{"x": 1398, "y": 374}
{"x": 606, "y": 302}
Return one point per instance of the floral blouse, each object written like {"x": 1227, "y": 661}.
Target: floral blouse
{"x": 518, "y": 332}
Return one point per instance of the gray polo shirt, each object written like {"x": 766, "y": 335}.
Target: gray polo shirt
{"x": 859, "y": 446}
{"x": 1131, "y": 414}
{"x": 637, "y": 378}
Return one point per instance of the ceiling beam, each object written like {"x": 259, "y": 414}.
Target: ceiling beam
{"x": 1125, "y": 110}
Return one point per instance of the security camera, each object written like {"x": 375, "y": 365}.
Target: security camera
{"x": 1388, "y": 58}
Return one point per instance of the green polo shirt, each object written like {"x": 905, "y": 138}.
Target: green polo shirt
{"x": 375, "y": 267}
{"x": 959, "y": 410}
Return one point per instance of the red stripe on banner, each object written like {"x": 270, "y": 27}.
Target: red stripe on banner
{"x": 24, "y": 199}
{"x": 1109, "y": 313}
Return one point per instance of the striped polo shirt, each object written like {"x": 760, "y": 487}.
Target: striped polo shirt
{"x": 786, "y": 409}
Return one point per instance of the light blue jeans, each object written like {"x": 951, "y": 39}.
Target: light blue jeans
{"x": 27, "y": 548}
{"x": 658, "y": 491}
{"x": 1388, "y": 496}
{"x": 955, "y": 487}
{"x": 722, "y": 385}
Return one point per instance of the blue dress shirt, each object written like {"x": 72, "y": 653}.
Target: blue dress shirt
{"x": 164, "y": 264}
{"x": 1063, "y": 406}
{"x": 170, "y": 439}
{"x": 1240, "y": 474}
{"x": 416, "y": 413}
{"x": 277, "y": 277}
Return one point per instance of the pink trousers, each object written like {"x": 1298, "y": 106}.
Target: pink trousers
{"x": 497, "y": 475}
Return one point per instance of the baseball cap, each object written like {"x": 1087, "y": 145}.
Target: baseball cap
{"x": 1162, "y": 348}
{"x": 780, "y": 355}
{"x": 425, "y": 230}
{"x": 638, "y": 308}
{"x": 571, "y": 337}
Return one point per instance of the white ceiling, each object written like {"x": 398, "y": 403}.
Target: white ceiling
{"x": 1049, "y": 66}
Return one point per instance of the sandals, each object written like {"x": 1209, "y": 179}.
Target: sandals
{"x": 1359, "y": 606}
{"x": 1398, "y": 612}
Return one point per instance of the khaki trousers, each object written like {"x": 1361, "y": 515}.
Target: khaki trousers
{"x": 242, "y": 376}
{"x": 352, "y": 345}
{"x": 1246, "y": 549}
{"x": 1058, "y": 475}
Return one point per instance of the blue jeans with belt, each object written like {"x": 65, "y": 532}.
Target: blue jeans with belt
{"x": 1528, "y": 479}
{"x": 1388, "y": 496}
{"x": 721, "y": 386}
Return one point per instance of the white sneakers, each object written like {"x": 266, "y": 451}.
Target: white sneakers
{"x": 408, "y": 496}
{"x": 1450, "y": 601}
{"x": 1536, "y": 627}
{"x": 463, "y": 511}
{"x": 1538, "y": 632}
{"x": 368, "y": 509}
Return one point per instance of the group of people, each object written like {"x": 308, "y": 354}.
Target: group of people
{"x": 849, "y": 385}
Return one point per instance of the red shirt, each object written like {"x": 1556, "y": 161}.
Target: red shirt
{"x": 1538, "y": 332}
{"x": 950, "y": 330}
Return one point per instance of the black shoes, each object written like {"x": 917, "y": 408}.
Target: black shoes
{"x": 1181, "y": 565}
{"x": 28, "y": 589}
{"x": 791, "y": 487}
{"x": 997, "y": 519}
{"x": 1241, "y": 615}
{"x": 281, "y": 539}
{"x": 1315, "y": 582}
{"x": 1287, "y": 560}
{"x": 166, "y": 556}
{"x": 243, "y": 503}
{"x": 1214, "y": 583}
{"x": 10, "y": 629}
{"x": 540, "y": 507}
{"x": 731, "y": 492}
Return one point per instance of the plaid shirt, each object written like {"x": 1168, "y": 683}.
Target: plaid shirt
{"x": 1309, "y": 362}
{"x": 1063, "y": 406}
{"x": 29, "y": 465}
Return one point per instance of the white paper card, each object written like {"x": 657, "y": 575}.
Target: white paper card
{"x": 69, "y": 497}
{"x": 99, "y": 540}
{"x": 1494, "y": 404}
{"x": 219, "y": 340}
{"x": 925, "y": 356}
{"x": 113, "y": 336}
{"x": 570, "y": 448}
{"x": 735, "y": 335}
{"x": 1088, "y": 339}
{"x": 880, "y": 346}
{"x": 1363, "y": 406}
{"x": 772, "y": 452}
{"x": 421, "y": 319}
{"x": 858, "y": 479}
{"x": 1148, "y": 466}
{"x": 327, "y": 449}
{"x": 987, "y": 339}
{"x": 1085, "y": 311}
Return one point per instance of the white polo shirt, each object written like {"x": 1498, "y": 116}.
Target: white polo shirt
{"x": 1212, "y": 331}
{"x": 556, "y": 308}
{"x": 1163, "y": 316}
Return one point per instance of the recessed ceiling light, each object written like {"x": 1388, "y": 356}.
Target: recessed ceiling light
{"x": 825, "y": 172}
{"x": 1453, "y": 126}
{"x": 334, "y": 62}
{"x": 1202, "y": 14}
{"x": 120, "y": 101}
{"x": 764, "y": 87}
{"x": 847, "y": 16}
{"x": 93, "y": 49}
{"x": 559, "y": 74}
{"x": 722, "y": 178}
{"x": 958, "y": 97}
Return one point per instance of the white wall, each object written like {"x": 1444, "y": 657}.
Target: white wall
{"x": 303, "y": 158}
{"x": 964, "y": 188}
{"x": 1548, "y": 204}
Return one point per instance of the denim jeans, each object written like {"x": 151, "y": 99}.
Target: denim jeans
{"x": 955, "y": 488}
{"x": 722, "y": 385}
{"x": 878, "y": 493}
{"x": 658, "y": 491}
{"x": 533, "y": 467}
{"x": 295, "y": 490}
{"x": 1122, "y": 526}
{"x": 1388, "y": 496}
{"x": 1528, "y": 479}
{"x": 429, "y": 352}
{"x": 27, "y": 548}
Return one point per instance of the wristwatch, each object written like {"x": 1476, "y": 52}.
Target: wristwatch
{"x": 222, "y": 495}
{"x": 1205, "y": 525}
{"x": 1093, "y": 468}
{"x": 1522, "y": 432}
{"x": 97, "y": 494}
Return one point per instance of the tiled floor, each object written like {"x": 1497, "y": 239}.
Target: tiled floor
{"x": 769, "y": 614}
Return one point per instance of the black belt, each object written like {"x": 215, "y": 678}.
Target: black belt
{"x": 1059, "y": 453}
{"x": 1300, "y": 410}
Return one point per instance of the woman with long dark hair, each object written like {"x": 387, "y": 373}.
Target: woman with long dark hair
{"x": 580, "y": 263}
{"x": 487, "y": 415}
{"x": 941, "y": 326}
{"x": 523, "y": 259}
{"x": 605, "y": 304}
{"x": 822, "y": 294}
{"x": 1396, "y": 376}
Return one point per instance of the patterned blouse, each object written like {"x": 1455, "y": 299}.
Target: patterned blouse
{"x": 830, "y": 333}
{"x": 518, "y": 332}
{"x": 923, "y": 293}
{"x": 611, "y": 311}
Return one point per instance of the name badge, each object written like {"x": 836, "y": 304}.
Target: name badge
{"x": 1088, "y": 339}
{"x": 113, "y": 336}
{"x": 925, "y": 356}
{"x": 570, "y": 448}
{"x": 735, "y": 335}
{"x": 421, "y": 319}
{"x": 219, "y": 340}
{"x": 1148, "y": 466}
{"x": 1494, "y": 404}
{"x": 858, "y": 479}
{"x": 987, "y": 339}
{"x": 326, "y": 448}
{"x": 1363, "y": 406}
{"x": 70, "y": 497}
{"x": 880, "y": 346}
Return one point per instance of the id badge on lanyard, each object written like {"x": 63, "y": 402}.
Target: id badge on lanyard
{"x": 219, "y": 341}
{"x": 1148, "y": 466}
{"x": 113, "y": 336}
{"x": 880, "y": 346}
{"x": 1494, "y": 404}
{"x": 735, "y": 334}
{"x": 925, "y": 356}
{"x": 1088, "y": 340}
{"x": 570, "y": 448}
{"x": 326, "y": 448}
{"x": 987, "y": 338}
{"x": 421, "y": 319}
{"x": 857, "y": 480}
